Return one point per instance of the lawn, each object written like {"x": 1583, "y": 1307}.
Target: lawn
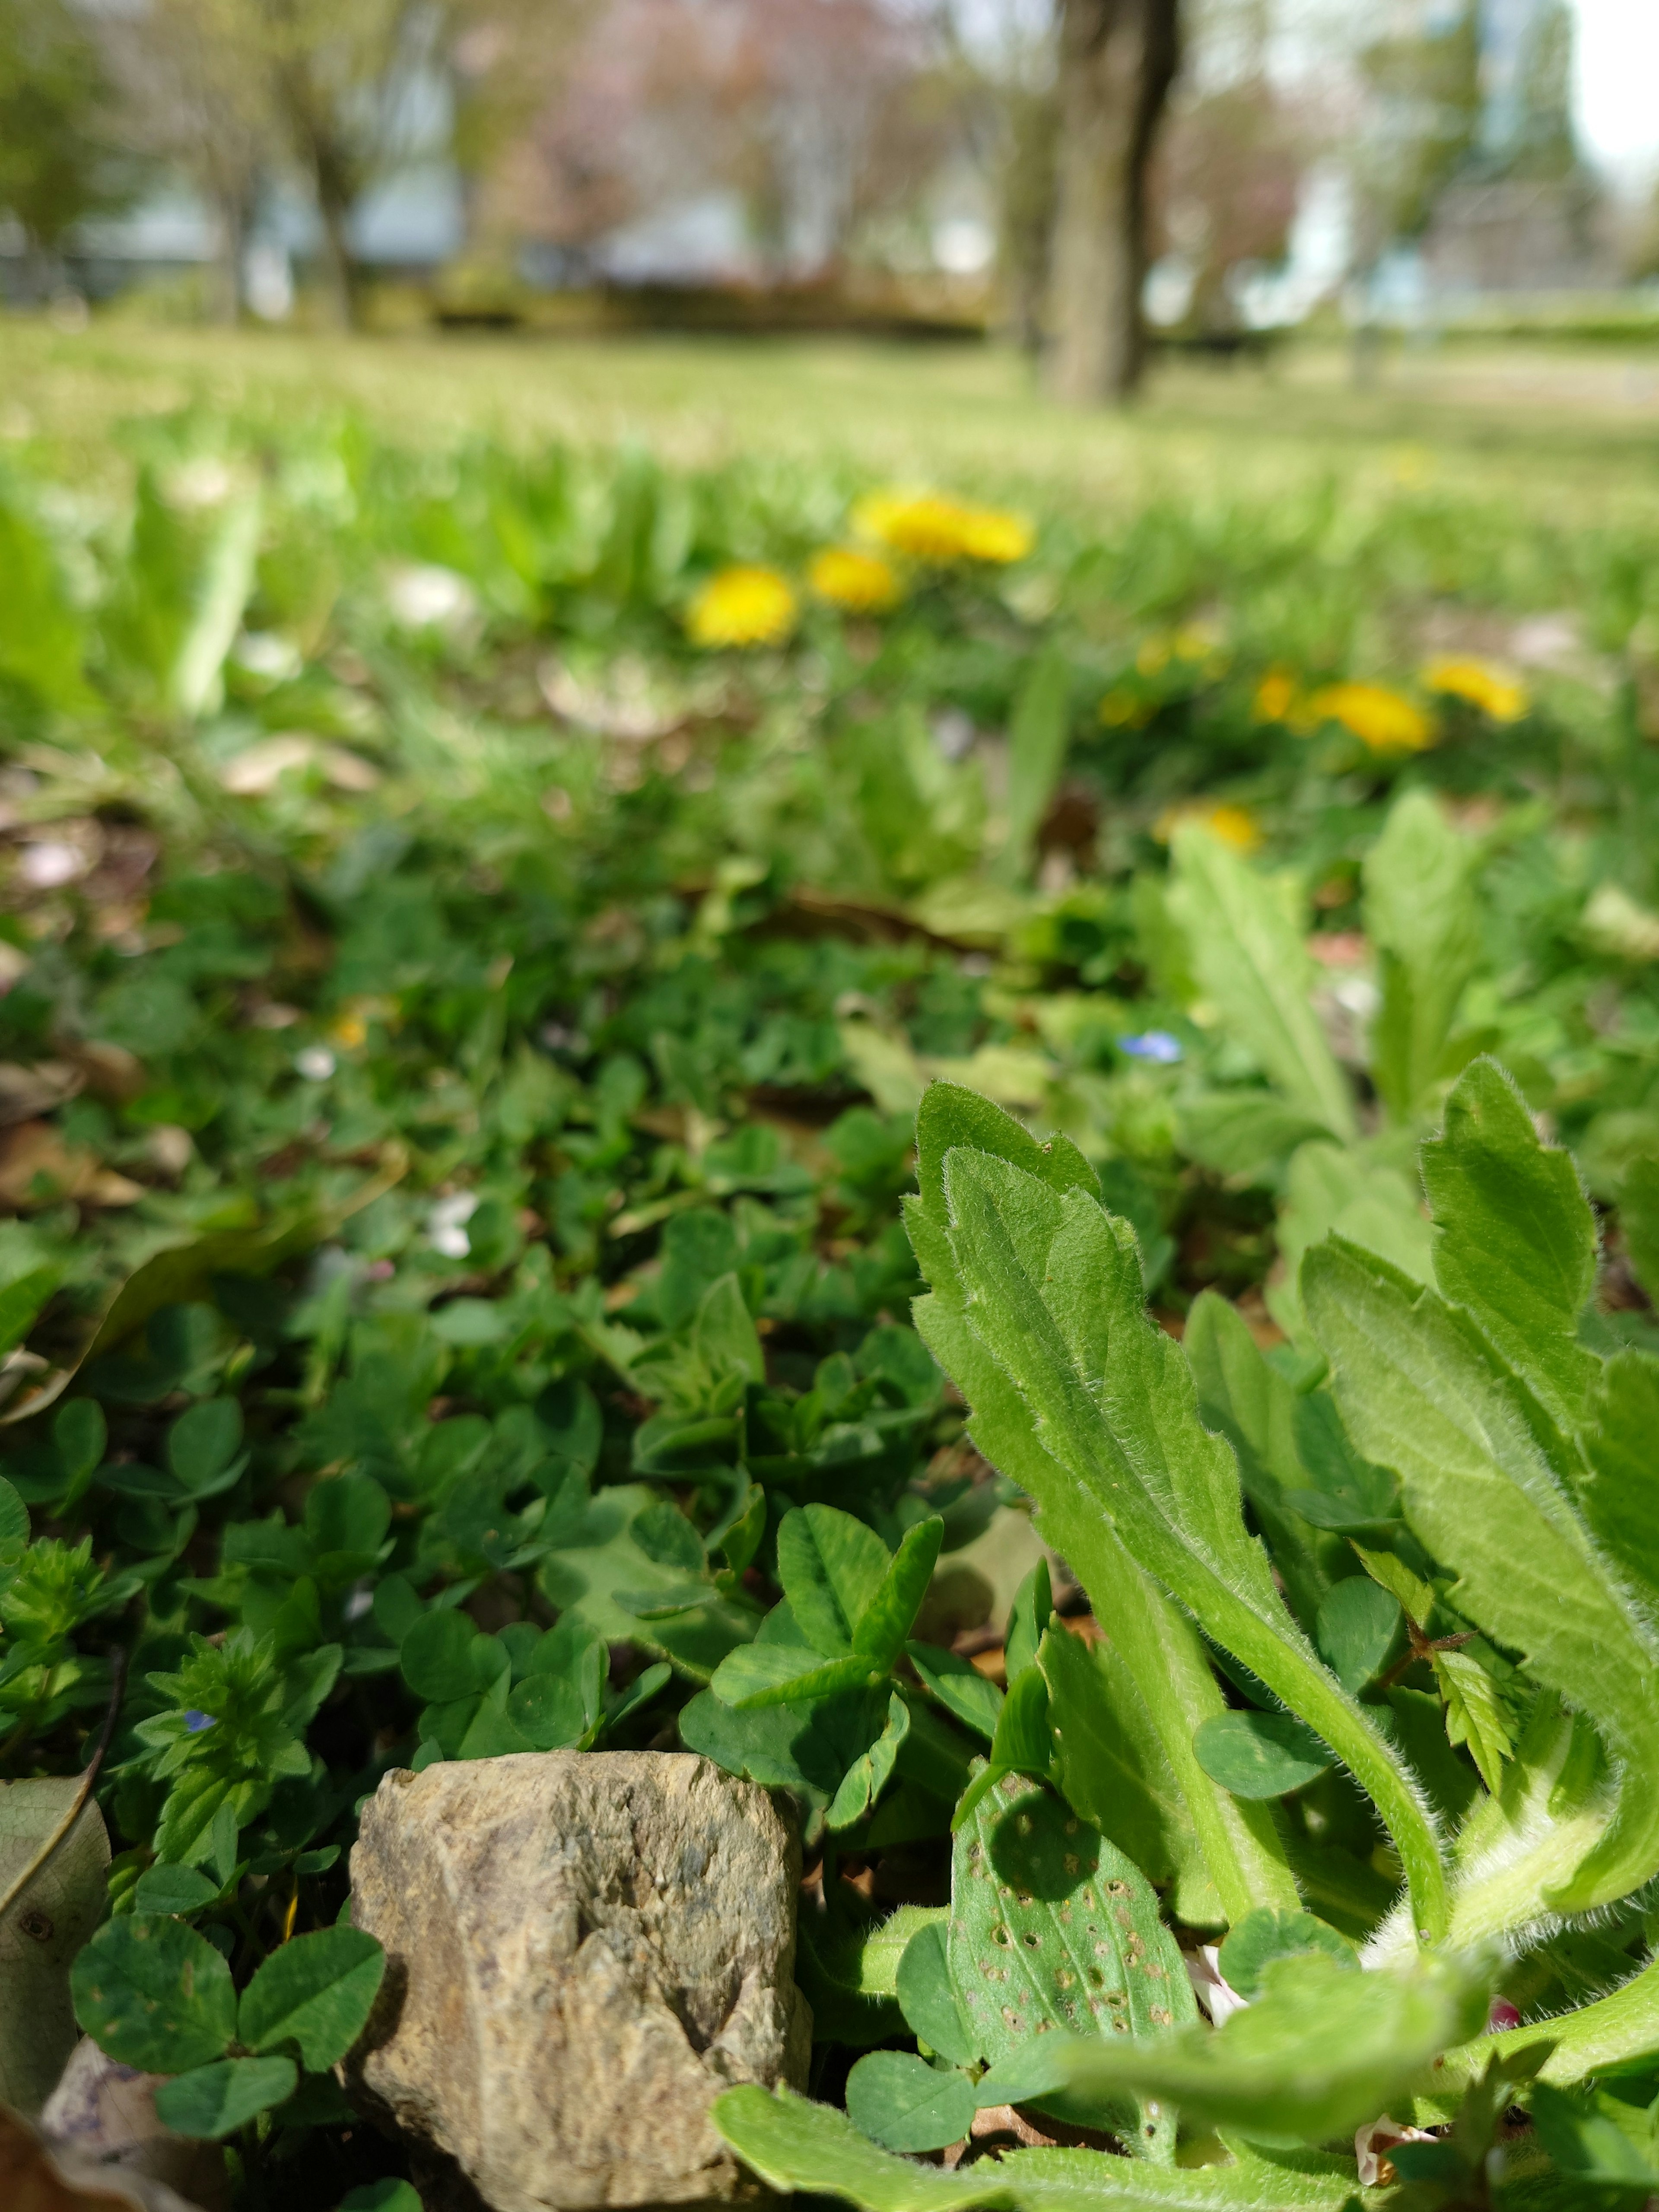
{"x": 648, "y": 994}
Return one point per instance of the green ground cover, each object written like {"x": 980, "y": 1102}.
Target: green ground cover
{"x": 483, "y": 910}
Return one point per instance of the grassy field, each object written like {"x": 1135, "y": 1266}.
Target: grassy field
{"x": 1561, "y": 435}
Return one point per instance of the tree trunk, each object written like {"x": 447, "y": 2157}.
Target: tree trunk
{"x": 1117, "y": 61}
{"x": 339, "y": 285}
{"x": 224, "y": 302}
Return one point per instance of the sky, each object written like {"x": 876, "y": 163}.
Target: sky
{"x": 1618, "y": 87}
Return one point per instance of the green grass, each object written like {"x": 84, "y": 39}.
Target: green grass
{"x": 1562, "y": 436}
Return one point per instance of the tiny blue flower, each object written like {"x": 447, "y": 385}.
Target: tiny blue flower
{"x": 1155, "y": 1045}
{"x": 196, "y": 1722}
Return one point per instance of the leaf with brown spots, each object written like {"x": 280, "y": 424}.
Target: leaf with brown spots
{"x": 1052, "y": 1929}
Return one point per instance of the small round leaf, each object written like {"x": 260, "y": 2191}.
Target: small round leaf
{"x": 902, "y": 2103}
{"x": 154, "y": 1993}
{"x": 927, "y": 1997}
{"x": 216, "y": 2100}
{"x": 436, "y": 1656}
{"x": 173, "y": 1889}
{"x": 315, "y": 1993}
{"x": 1254, "y": 1943}
{"x": 1259, "y": 1755}
{"x": 1358, "y": 1622}
{"x": 202, "y": 1442}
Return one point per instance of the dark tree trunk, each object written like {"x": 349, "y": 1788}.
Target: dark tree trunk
{"x": 1117, "y": 61}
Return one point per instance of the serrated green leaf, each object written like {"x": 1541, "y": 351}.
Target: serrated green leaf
{"x": 1475, "y": 1712}
{"x": 1320, "y": 2051}
{"x": 901, "y": 2102}
{"x": 1346, "y": 1190}
{"x": 1617, "y": 1495}
{"x": 211, "y": 2102}
{"x": 154, "y": 1993}
{"x": 598, "y": 1554}
{"x": 962, "y": 1690}
{"x": 315, "y": 1993}
{"x": 1052, "y": 1929}
{"x": 1250, "y": 1403}
{"x": 1251, "y": 964}
{"x": 885, "y": 1621}
{"x": 1021, "y": 1745}
{"x": 1422, "y": 916}
{"x": 1054, "y": 1294}
{"x": 1110, "y": 1766}
{"x": 1424, "y": 1394}
{"x": 1514, "y": 1238}
{"x": 871, "y": 1770}
{"x": 759, "y": 1674}
{"x": 830, "y": 1566}
{"x": 1028, "y": 1621}
{"x": 1240, "y": 1851}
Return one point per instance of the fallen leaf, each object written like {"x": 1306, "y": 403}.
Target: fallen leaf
{"x": 103, "y": 2114}
{"x": 42, "y": 1929}
{"x": 38, "y": 1169}
{"x": 34, "y": 2177}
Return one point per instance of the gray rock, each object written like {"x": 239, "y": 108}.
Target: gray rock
{"x": 583, "y": 1948}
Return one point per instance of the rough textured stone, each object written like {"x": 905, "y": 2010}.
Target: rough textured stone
{"x": 583, "y": 1948}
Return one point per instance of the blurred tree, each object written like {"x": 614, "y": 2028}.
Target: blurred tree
{"x": 1117, "y": 60}
{"x": 1225, "y": 189}
{"x": 198, "y": 96}
{"x": 1426, "y": 109}
{"x": 823, "y": 116}
{"x": 351, "y": 82}
{"x": 58, "y": 160}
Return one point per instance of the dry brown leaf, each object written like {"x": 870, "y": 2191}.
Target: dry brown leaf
{"x": 43, "y": 1928}
{"x": 37, "y": 1169}
{"x": 34, "y": 2177}
{"x": 26, "y": 1092}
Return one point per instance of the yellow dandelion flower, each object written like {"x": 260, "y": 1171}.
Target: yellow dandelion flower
{"x": 927, "y": 526}
{"x": 1275, "y": 696}
{"x": 742, "y": 605}
{"x": 1497, "y": 696}
{"x": 1234, "y": 825}
{"x": 1383, "y": 719}
{"x": 349, "y": 1031}
{"x": 863, "y": 583}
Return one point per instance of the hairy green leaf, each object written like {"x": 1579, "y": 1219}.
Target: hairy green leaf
{"x": 1423, "y": 1395}
{"x": 1514, "y": 1238}
{"x": 1249, "y": 960}
{"x": 1054, "y": 1294}
{"x": 1320, "y": 2049}
{"x": 1422, "y": 916}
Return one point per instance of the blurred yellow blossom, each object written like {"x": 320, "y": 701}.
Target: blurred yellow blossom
{"x": 1385, "y": 720}
{"x": 930, "y": 527}
{"x": 1489, "y": 689}
{"x": 742, "y": 605}
{"x": 1275, "y": 696}
{"x": 862, "y": 582}
{"x": 349, "y": 1031}
{"x": 1233, "y": 824}
{"x": 1123, "y": 710}
{"x": 1191, "y": 642}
